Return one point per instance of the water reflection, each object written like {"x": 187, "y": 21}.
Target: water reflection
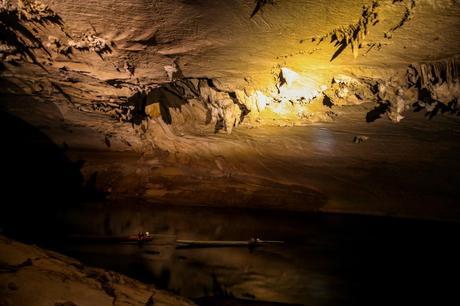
{"x": 324, "y": 140}
{"x": 326, "y": 260}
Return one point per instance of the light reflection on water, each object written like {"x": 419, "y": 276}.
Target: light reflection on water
{"x": 323, "y": 140}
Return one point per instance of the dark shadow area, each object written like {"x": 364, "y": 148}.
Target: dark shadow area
{"x": 220, "y": 124}
{"x": 434, "y": 107}
{"x": 327, "y": 259}
{"x": 231, "y": 301}
{"x": 342, "y": 46}
{"x": 167, "y": 97}
{"x": 37, "y": 179}
{"x": 260, "y": 4}
{"x": 243, "y": 108}
{"x": 15, "y": 33}
{"x": 13, "y": 30}
{"x": 327, "y": 101}
{"x": 219, "y": 295}
{"x": 174, "y": 95}
{"x": 377, "y": 112}
{"x": 135, "y": 107}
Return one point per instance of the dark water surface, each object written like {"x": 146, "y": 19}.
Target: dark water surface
{"x": 326, "y": 259}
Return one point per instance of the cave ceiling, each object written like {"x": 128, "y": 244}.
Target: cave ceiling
{"x": 309, "y": 105}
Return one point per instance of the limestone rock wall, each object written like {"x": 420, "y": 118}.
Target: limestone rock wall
{"x": 171, "y": 79}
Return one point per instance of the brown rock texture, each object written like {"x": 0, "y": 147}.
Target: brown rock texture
{"x": 248, "y": 103}
{"x": 33, "y": 276}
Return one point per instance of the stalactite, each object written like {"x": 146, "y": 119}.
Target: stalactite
{"x": 354, "y": 34}
{"x": 408, "y": 15}
{"x": 438, "y": 84}
{"x": 432, "y": 73}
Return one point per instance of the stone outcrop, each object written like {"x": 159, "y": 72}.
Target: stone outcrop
{"x": 33, "y": 276}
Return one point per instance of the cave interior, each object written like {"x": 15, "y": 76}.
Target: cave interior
{"x": 229, "y": 152}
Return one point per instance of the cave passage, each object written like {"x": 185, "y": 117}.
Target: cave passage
{"x": 243, "y": 152}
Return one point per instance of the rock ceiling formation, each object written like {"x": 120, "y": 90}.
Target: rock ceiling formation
{"x": 204, "y": 90}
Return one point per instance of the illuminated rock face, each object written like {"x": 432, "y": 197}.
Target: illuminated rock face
{"x": 173, "y": 80}
{"x": 134, "y": 46}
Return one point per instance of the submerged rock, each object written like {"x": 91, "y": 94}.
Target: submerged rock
{"x": 360, "y": 138}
